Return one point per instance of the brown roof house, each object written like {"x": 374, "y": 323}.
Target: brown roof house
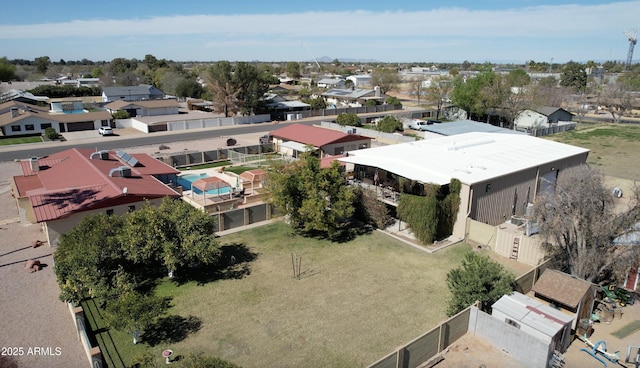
{"x": 57, "y": 191}
{"x": 296, "y": 138}
{"x": 566, "y": 293}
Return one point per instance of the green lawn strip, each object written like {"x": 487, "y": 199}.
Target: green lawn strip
{"x": 627, "y": 330}
{"x": 240, "y": 169}
{"x": 20, "y": 140}
{"x": 117, "y": 347}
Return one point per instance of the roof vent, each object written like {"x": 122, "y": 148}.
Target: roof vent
{"x": 121, "y": 171}
{"x": 102, "y": 155}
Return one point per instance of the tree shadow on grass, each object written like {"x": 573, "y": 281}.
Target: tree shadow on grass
{"x": 348, "y": 231}
{"x": 233, "y": 263}
{"x": 171, "y": 329}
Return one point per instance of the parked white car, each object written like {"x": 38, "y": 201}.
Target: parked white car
{"x": 105, "y": 130}
{"x": 418, "y": 124}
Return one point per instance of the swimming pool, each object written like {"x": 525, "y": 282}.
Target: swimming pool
{"x": 185, "y": 182}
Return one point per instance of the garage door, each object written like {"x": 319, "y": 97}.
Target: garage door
{"x": 76, "y": 127}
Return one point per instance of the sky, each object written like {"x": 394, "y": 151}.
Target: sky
{"x": 403, "y": 31}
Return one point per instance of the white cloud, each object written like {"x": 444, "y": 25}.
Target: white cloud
{"x": 539, "y": 21}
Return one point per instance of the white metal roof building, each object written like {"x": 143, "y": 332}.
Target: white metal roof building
{"x": 500, "y": 173}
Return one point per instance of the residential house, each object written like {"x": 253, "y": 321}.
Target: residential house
{"x": 281, "y": 108}
{"x": 569, "y": 294}
{"x": 145, "y": 108}
{"x": 297, "y": 138}
{"x": 132, "y": 93}
{"x": 354, "y": 97}
{"x": 22, "y": 119}
{"x": 360, "y": 80}
{"x": 282, "y": 88}
{"x": 331, "y": 83}
{"x": 59, "y": 190}
{"x": 500, "y": 173}
{"x": 542, "y": 117}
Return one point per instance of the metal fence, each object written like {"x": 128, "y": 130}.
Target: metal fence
{"x": 191, "y": 158}
{"x": 239, "y": 217}
{"x": 559, "y": 128}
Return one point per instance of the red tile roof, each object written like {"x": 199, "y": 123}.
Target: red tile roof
{"x": 70, "y": 181}
{"x": 314, "y": 136}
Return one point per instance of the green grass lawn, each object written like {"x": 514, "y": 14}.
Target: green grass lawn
{"x": 614, "y": 148}
{"x": 354, "y": 302}
{"x": 20, "y": 140}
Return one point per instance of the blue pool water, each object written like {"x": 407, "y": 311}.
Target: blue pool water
{"x": 185, "y": 182}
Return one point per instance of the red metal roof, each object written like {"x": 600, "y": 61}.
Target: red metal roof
{"x": 326, "y": 162}
{"x": 314, "y": 136}
{"x": 70, "y": 181}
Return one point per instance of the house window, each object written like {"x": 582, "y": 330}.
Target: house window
{"x": 16, "y": 128}
{"x": 512, "y": 323}
{"x": 110, "y": 212}
{"x": 29, "y": 127}
{"x": 44, "y": 126}
{"x": 487, "y": 189}
{"x": 132, "y": 208}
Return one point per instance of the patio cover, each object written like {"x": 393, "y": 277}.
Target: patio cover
{"x": 211, "y": 183}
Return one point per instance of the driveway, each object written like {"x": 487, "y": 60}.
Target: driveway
{"x": 35, "y": 324}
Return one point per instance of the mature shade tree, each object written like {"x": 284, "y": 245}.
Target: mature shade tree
{"x": 89, "y": 257}
{"x": 122, "y": 65}
{"x": 133, "y": 313}
{"x": 315, "y": 200}
{"x": 7, "y": 70}
{"x": 546, "y": 92}
{"x": 317, "y": 103}
{"x": 237, "y": 88}
{"x": 476, "y": 95}
{"x": 574, "y": 76}
{"x": 387, "y": 79}
{"x": 618, "y": 97}
{"x": 579, "y": 223}
{"x": 189, "y": 88}
{"x": 104, "y": 256}
{"x": 439, "y": 91}
{"x": 348, "y": 119}
{"x": 416, "y": 87}
{"x": 42, "y": 64}
{"x": 293, "y": 69}
{"x": 477, "y": 279}
{"x": 389, "y": 124}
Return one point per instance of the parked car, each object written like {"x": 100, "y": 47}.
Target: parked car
{"x": 418, "y": 124}
{"x": 105, "y": 130}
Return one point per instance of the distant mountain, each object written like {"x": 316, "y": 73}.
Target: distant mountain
{"x": 327, "y": 59}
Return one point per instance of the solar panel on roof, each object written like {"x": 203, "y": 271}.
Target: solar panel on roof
{"x": 132, "y": 161}
{"x": 120, "y": 154}
{"x": 126, "y": 157}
